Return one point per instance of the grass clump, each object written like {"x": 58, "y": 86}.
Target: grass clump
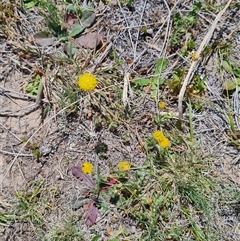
{"x": 177, "y": 187}
{"x": 66, "y": 230}
{"x": 171, "y": 196}
{"x": 32, "y": 203}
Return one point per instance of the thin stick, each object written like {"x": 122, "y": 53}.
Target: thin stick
{"x": 14, "y": 154}
{"x": 129, "y": 33}
{"x": 6, "y": 129}
{"x": 195, "y": 62}
{"x": 138, "y": 30}
{"x": 24, "y": 96}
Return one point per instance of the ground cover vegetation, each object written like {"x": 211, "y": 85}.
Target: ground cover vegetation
{"x": 119, "y": 120}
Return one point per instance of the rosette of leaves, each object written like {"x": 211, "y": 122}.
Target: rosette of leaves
{"x": 155, "y": 81}
{"x": 63, "y": 21}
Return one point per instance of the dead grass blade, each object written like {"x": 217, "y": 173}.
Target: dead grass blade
{"x": 125, "y": 98}
{"x": 196, "y": 61}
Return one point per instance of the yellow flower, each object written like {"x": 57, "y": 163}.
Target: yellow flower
{"x": 149, "y": 200}
{"x": 87, "y": 81}
{"x": 164, "y": 142}
{"x": 158, "y": 135}
{"x": 124, "y": 166}
{"x": 161, "y": 105}
{"x": 194, "y": 55}
{"x": 87, "y": 167}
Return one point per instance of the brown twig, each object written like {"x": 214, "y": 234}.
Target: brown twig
{"x": 196, "y": 61}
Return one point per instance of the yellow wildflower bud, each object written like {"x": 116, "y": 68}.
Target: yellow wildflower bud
{"x": 161, "y": 105}
{"x": 158, "y": 135}
{"x": 87, "y": 82}
{"x": 124, "y": 166}
{"x": 164, "y": 142}
{"x": 87, "y": 167}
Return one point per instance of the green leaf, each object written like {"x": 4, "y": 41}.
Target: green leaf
{"x": 236, "y": 71}
{"x": 55, "y": 28}
{"x": 36, "y": 153}
{"x": 197, "y": 6}
{"x": 231, "y": 68}
{"x": 142, "y": 81}
{"x": 158, "y": 81}
{"x": 176, "y": 77}
{"x": 191, "y": 44}
{"x": 160, "y": 66}
{"x": 191, "y": 18}
{"x": 29, "y": 4}
{"x": 72, "y": 7}
{"x": 227, "y": 66}
{"x": 32, "y": 87}
{"x": 178, "y": 74}
{"x": 88, "y": 18}
{"x": 87, "y": 8}
{"x": 95, "y": 238}
{"x": 231, "y": 84}
{"x": 177, "y": 19}
{"x": 154, "y": 87}
{"x": 3, "y": 218}
{"x": 154, "y": 93}
{"x": 77, "y": 29}
{"x": 199, "y": 83}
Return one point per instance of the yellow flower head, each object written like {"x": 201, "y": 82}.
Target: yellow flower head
{"x": 87, "y": 167}
{"x": 158, "y": 135}
{"x": 149, "y": 200}
{"x": 194, "y": 55}
{"x": 124, "y": 166}
{"x": 161, "y": 104}
{"x": 87, "y": 82}
{"x": 164, "y": 142}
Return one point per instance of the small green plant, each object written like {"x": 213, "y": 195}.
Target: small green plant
{"x": 33, "y": 147}
{"x": 98, "y": 191}
{"x": 155, "y": 81}
{"x": 175, "y": 82}
{"x": 94, "y": 190}
{"x": 64, "y": 231}
{"x": 188, "y": 46}
{"x": 31, "y": 3}
{"x": 149, "y": 193}
{"x": 32, "y": 203}
{"x": 69, "y": 95}
{"x": 195, "y": 89}
{"x": 182, "y": 26}
{"x": 32, "y": 87}
{"x": 5, "y": 215}
{"x": 230, "y": 70}
{"x": 68, "y": 21}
